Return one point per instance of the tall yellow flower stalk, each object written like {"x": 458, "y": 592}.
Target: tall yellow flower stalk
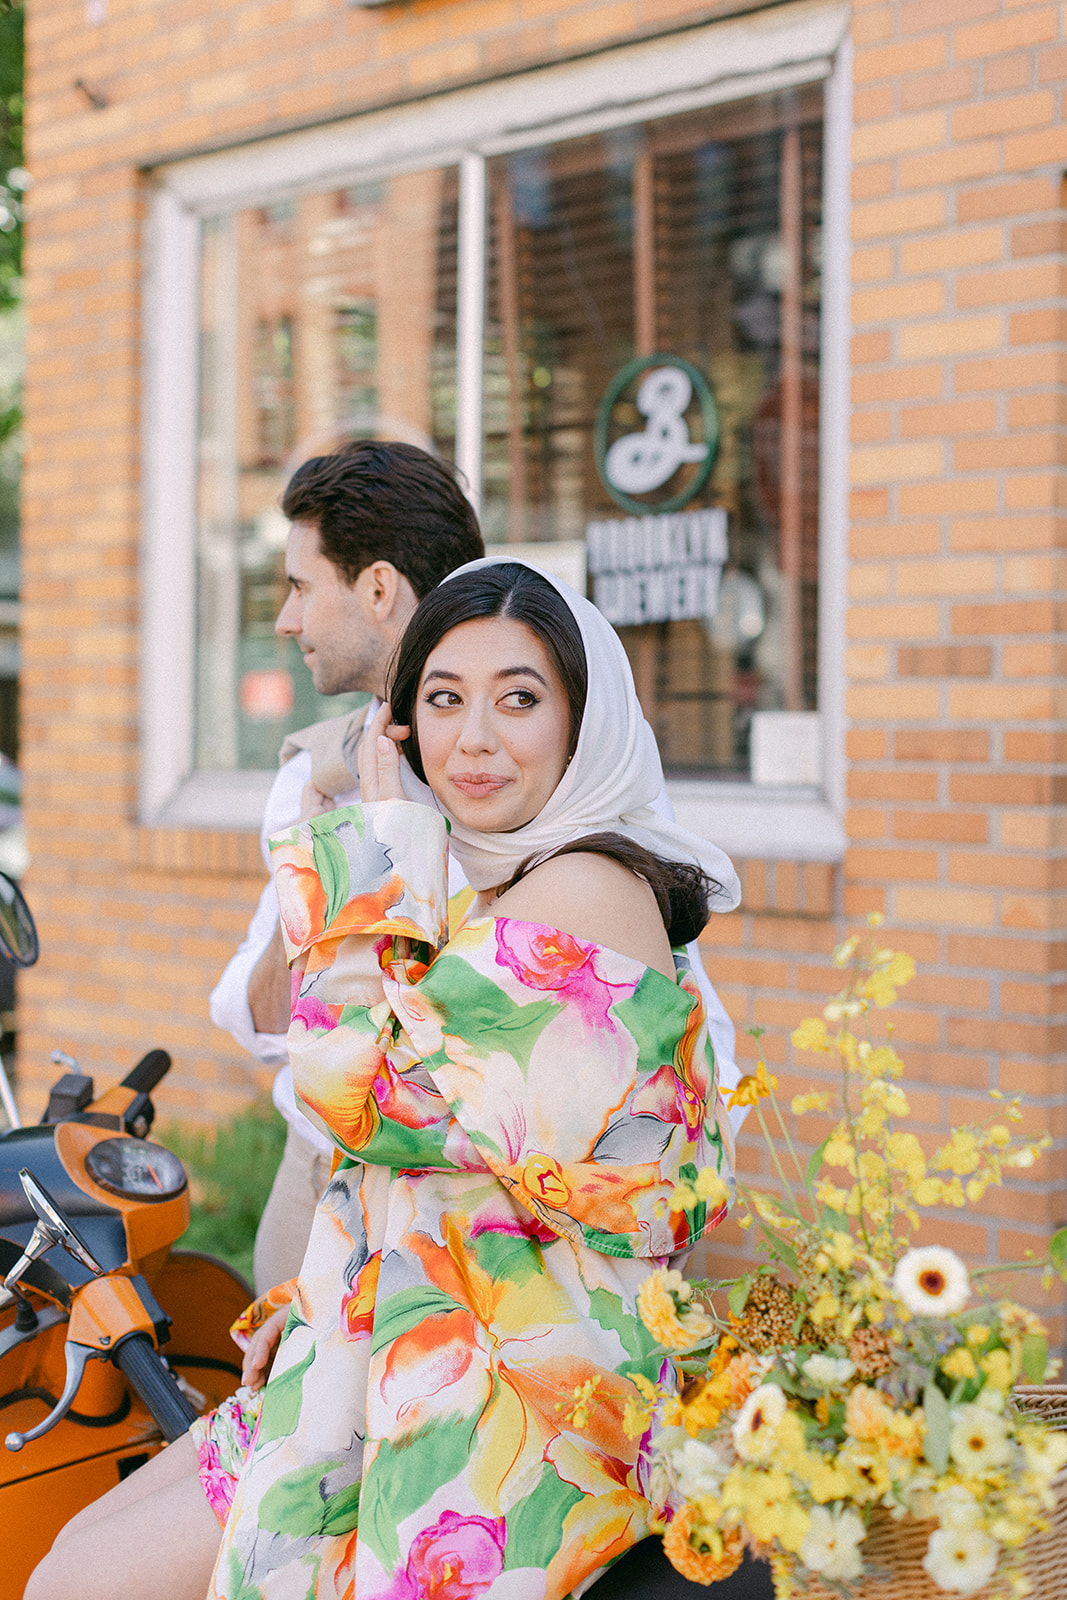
{"x": 854, "y": 1369}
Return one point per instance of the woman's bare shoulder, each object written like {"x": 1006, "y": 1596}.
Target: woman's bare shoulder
{"x": 595, "y": 898}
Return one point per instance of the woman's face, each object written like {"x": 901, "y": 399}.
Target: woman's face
{"x": 493, "y": 723}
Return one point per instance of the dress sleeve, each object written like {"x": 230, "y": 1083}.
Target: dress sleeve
{"x": 362, "y": 891}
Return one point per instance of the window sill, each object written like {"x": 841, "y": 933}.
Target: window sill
{"x": 758, "y": 823}
{"x": 747, "y": 821}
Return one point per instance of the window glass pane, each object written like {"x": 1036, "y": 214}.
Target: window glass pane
{"x": 324, "y": 317}
{"x": 695, "y": 238}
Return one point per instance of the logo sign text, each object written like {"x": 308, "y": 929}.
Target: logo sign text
{"x": 657, "y": 569}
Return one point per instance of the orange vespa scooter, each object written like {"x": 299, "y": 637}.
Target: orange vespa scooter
{"x": 93, "y": 1291}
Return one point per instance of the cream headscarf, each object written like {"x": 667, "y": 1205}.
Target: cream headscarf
{"x": 611, "y": 782}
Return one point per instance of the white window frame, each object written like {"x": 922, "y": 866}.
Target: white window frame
{"x": 783, "y": 47}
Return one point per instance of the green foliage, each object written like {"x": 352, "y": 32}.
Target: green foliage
{"x": 11, "y": 175}
{"x": 230, "y": 1176}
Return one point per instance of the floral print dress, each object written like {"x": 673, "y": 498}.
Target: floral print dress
{"x": 514, "y": 1107}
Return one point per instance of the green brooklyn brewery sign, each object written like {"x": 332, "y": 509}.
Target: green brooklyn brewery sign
{"x": 660, "y": 564}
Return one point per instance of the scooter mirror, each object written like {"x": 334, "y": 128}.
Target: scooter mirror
{"x": 18, "y": 935}
{"x": 54, "y": 1224}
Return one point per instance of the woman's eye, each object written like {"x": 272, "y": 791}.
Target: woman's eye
{"x": 442, "y": 698}
{"x": 523, "y": 698}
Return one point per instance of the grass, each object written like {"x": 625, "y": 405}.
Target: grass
{"x": 230, "y": 1169}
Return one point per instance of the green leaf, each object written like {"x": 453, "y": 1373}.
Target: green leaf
{"x": 833, "y": 1221}
{"x": 406, "y": 1309}
{"x": 282, "y": 1400}
{"x": 779, "y": 1248}
{"x": 406, "y": 1473}
{"x": 1035, "y": 1357}
{"x": 535, "y": 1525}
{"x": 478, "y": 1010}
{"x": 331, "y": 864}
{"x": 296, "y": 1505}
{"x": 1057, "y": 1251}
{"x": 739, "y": 1294}
{"x": 606, "y": 1308}
{"x": 813, "y": 1166}
{"x": 936, "y": 1438}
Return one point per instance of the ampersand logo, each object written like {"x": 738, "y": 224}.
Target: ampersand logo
{"x": 672, "y": 397}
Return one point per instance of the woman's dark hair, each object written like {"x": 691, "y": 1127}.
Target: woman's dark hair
{"x": 504, "y": 590}
{"x": 683, "y": 892}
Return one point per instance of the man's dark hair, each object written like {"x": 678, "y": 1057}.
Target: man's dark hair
{"x": 372, "y": 501}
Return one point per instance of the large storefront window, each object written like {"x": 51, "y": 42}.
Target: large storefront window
{"x": 696, "y": 238}
{"x": 616, "y": 326}
{"x": 325, "y": 317}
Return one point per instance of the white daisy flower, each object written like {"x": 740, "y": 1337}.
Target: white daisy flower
{"x": 956, "y": 1507}
{"x": 700, "y": 1468}
{"x": 831, "y": 1544}
{"x": 979, "y": 1440}
{"x": 757, "y": 1422}
{"x": 932, "y": 1282}
{"x": 829, "y": 1372}
{"x": 961, "y": 1560}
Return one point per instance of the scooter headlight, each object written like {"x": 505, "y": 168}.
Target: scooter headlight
{"x": 136, "y": 1169}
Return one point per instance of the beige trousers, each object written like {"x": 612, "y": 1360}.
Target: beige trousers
{"x": 282, "y": 1236}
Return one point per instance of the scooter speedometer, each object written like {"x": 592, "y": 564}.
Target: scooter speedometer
{"x": 136, "y": 1169}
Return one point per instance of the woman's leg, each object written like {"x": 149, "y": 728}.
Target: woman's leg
{"x": 153, "y": 1537}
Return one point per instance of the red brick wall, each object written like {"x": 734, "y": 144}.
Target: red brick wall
{"x": 956, "y": 754}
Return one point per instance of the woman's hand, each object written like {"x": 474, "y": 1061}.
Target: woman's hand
{"x": 379, "y": 758}
{"x": 262, "y": 1348}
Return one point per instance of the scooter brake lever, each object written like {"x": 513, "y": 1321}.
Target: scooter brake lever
{"x": 77, "y": 1356}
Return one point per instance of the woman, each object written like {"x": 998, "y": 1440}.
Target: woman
{"x": 514, "y": 1107}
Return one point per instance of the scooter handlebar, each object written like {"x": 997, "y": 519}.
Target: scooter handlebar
{"x": 148, "y": 1072}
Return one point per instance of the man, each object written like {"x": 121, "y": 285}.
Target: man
{"x": 374, "y": 527}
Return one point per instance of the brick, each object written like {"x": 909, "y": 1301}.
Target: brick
{"x": 878, "y": 464}
{"x": 1044, "y": 238}
{"x": 866, "y": 824}
{"x": 1033, "y": 26}
{"x": 870, "y": 265}
{"x": 952, "y": 417}
{"x": 936, "y": 88}
{"x": 891, "y": 622}
{"x": 908, "y": 702}
{"x": 1025, "y": 151}
{"x": 869, "y": 662}
{"x": 951, "y": 165}
{"x": 1005, "y": 114}
{"x": 1014, "y": 199}
{"x": 892, "y": 785}
{"x": 877, "y": 140}
{"x": 957, "y": 577}
{"x": 889, "y": 218}
{"x": 900, "y": 60}
{"x": 1010, "y": 954}
{"x": 942, "y": 906}
{"x": 900, "y": 383}
{"x": 892, "y": 865}
{"x": 1008, "y": 371}
{"x": 1008, "y": 72}
{"x": 955, "y": 495}
{"x": 995, "y": 869}
{"x": 941, "y": 745}
{"x": 955, "y": 336}
{"x": 1006, "y": 788}
{"x": 1011, "y": 285}
{"x": 960, "y": 827}
{"x": 961, "y": 247}
{"x": 1005, "y": 533}
{"x": 1034, "y": 661}
{"x": 897, "y": 301}
{"x": 894, "y": 539}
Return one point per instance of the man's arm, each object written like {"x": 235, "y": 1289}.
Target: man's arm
{"x": 269, "y": 988}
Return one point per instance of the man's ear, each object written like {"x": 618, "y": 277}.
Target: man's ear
{"x": 382, "y": 586}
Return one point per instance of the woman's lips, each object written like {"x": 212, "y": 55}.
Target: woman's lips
{"x": 476, "y": 784}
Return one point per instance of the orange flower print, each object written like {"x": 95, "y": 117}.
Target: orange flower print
{"x": 301, "y": 899}
{"x": 542, "y": 1176}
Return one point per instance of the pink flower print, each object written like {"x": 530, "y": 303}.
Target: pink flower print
{"x": 546, "y": 958}
{"x": 457, "y": 1559}
{"x": 217, "y": 1483}
{"x": 314, "y": 1014}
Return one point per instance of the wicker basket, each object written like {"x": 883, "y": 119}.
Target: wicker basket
{"x": 897, "y": 1548}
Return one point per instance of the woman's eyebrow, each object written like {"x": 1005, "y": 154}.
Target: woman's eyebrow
{"x": 522, "y": 672}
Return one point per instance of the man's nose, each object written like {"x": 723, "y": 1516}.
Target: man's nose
{"x": 288, "y": 619}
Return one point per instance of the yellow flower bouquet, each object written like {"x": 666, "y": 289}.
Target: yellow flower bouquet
{"x": 854, "y": 1377}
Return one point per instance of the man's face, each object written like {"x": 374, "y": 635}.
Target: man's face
{"x": 334, "y": 622}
